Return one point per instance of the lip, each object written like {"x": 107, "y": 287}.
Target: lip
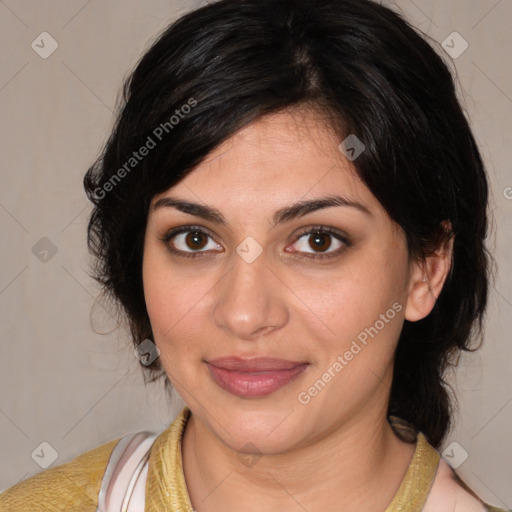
{"x": 253, "y": 377}
{"x": 253, "y": 364}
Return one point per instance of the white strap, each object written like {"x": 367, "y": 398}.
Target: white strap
{"x": 447, "y": 495}
{"x": 125, "y": 474}
{"x": 137, "y": 501}
{"x": 123, "y": 487}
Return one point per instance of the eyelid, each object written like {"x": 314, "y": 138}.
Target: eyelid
{"x": 322, "y": 229}
{"x": 184, "y": 229}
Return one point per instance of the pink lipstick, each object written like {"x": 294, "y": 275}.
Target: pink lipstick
{"x": 250, "y": 378}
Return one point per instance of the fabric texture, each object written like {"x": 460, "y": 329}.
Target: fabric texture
{"x": 166, "y": 487}
{"x": 75, "y": 486}
{"x": 70, "y": 487}
{"x": 124, "y": 481}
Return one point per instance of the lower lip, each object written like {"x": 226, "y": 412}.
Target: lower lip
{"x": 253, "y": 384}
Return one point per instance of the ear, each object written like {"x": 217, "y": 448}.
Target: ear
{"x": 427, "y": 279}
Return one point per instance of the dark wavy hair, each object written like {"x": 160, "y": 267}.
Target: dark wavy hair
{"x": 222, "y": 66}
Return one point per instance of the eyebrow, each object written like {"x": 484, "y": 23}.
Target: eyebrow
{"x": 284, "y": 214}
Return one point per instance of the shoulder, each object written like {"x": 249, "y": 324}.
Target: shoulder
{"x": 450, "y": 493}
{"x": 71, "y": 486}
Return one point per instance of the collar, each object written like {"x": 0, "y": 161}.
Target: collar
{"x": 166, "y": 488}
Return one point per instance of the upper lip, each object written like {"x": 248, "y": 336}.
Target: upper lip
{"x": 256, "y": 364}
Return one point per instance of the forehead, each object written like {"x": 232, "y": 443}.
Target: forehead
{"x": 290, "y": 129}
{"x": 287, "y": 155}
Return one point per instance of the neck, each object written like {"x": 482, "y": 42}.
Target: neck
{"x": 357, "y": 466}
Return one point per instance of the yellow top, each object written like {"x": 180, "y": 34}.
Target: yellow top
{"x": 75, "y": 486}
{"x": 69, "y": 487}
{"x": 166, "y": 488}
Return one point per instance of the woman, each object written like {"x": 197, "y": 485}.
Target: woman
{"x": 291, "y": 212}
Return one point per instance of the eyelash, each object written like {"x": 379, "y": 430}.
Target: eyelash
{"x": 322, "y": 230}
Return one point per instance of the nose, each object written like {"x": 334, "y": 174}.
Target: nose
{"x": 251, "y": 300}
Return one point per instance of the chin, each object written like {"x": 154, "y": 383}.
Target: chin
{"x": 266, "y": 428}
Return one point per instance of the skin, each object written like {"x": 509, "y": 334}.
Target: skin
{"x": 336, "y": 452}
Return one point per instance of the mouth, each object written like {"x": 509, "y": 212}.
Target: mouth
{"x": 255, "y": 377}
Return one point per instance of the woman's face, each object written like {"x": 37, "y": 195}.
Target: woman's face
{"x": 331, "y": 304}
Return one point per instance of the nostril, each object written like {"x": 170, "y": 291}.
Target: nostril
{"x": 264, "y": 330}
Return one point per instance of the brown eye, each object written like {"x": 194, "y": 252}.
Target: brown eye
{"x": 315, "y": 242}
{"x": 189, "y": 242}
{"x": 195, "y": 240}
{"x": 320, "y": 241}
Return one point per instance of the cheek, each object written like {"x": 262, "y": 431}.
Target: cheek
{"x": 167, "y": 304}
{"x": 164, "y": 306}
{"x": 173, "y": 300}
{"x": 356, "y": 299}
{"x": 160, "y": 292}
{"x": 350, "y": 298}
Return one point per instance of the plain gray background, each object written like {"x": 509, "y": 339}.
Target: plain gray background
{"x": 63, "y": 384}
